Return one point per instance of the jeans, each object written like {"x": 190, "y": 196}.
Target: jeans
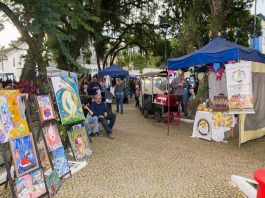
{"x": 108, "y": 126}
{"x": 91, "y": 120}
{"x": 109, "y": 108}
{"x": 183, "y": 103}
{"x": 119, "y": 102}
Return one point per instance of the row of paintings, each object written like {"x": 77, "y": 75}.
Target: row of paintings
{"x": 33, "y": 184}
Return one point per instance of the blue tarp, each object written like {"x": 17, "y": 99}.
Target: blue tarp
{"x": 217, "y": 51}
{"x": 114, "y": 71}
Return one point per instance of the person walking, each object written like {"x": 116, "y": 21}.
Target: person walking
{"x": 178, "y": 86}
{"x": 119, "y": 93}
{"x": 108, "y": 97}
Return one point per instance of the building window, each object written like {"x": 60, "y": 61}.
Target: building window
{"x": 14, "y": 62}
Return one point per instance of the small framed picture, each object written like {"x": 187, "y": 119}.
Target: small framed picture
{"x": 46, "y": 111}
{"x": 24, "y": 154}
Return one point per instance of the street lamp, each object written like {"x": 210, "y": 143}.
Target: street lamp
{"x": 164, "y": 27}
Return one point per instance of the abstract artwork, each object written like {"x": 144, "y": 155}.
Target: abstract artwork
{"x": 46, "y": 111}
{"x": 23, "y": 154}
{"x": 53, "y": 183}
{"x": 44, "y": 158}
{"x": 31, "y": 185}
{"x": 80, "y": 144}
{"x": 60, "y": 161}
{"x": 16, "y": 125}
{"x": 6, "y": 122}
{"x": 68, "y": 100}
{"x": 52, "y": 137}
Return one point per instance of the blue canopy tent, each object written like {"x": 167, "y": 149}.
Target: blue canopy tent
{"x": 217, "y": 51}
{"x": 114, "y": 71}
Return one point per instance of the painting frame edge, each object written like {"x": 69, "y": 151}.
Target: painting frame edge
{"x": 13, "y": 155}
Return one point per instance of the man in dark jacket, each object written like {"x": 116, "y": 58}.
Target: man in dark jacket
{"x": 100, "y": 110}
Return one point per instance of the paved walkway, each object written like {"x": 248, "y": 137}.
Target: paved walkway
{"x": 142, "y": 161}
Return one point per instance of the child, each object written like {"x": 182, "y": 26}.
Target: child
{"x": 108, "y": 97}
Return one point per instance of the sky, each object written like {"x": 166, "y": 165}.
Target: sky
{"x": 11, "y": 33}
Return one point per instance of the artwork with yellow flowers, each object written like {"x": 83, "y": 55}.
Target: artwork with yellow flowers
{"x": 13, "y": 122}
{"x": 68, "y": 100}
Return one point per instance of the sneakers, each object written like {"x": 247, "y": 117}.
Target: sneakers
{"x": 110, "y": 136}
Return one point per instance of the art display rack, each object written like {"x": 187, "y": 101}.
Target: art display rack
{"x": 8, "y": 163}
{"x": 69, "y": 126}
{"x": 46, "y": 124}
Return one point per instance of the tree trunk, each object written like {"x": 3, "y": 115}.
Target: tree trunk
{"x": 35, "y": 50}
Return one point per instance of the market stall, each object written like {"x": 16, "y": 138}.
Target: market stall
{"x": 237, "y": 82}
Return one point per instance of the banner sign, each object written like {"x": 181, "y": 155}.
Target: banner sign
{"x": 239, "y": 88}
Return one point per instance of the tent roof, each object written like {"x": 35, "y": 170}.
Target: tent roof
{"x": 217, "y": 51}
{"x": 113, "y": 71}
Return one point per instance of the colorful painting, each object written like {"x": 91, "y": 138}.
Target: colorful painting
{"x": 68, "y": 100}
{"x": 44, "y": 158}
{"x": 53, "y": 183}
{"x": 6, "y": 122}
{"x": 52, "y": 137}
{"x": 80, "y": 144}
{"x": 23, "y": 154}
{"x": 46, "y": 111}
{"x": 60, "y": 161}
{"x": 31, "y": 185}
{"x": 16, "y": 109}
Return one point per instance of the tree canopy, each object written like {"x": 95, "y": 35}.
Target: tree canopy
{"x": 62, "y": 30}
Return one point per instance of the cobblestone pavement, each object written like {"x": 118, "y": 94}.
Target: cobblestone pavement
{"x": 142, "y": 161}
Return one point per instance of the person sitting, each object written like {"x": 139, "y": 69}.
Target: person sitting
{"x": 91, "y": 122}
{"x": 100, "y": 110}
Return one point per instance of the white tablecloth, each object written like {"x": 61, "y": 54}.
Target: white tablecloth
{"x": 204, "y": 127}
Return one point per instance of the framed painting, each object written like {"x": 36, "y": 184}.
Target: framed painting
{"x": 23, "y": 154}
{"x": 52, "y": 137}
{"x": 10, "y": 99}
{"x": 44, "y": 158}
{"x": 68, "y": 100}
{"x": 31, "y": 185}
{"x": 53, "y": 183}
{"x": 60, "y": 161}
{"x": 6, "y": 121}
{"x": 17, "y": 110}
{"x": 46, "y": 111}
{"x": 80, "y": 144}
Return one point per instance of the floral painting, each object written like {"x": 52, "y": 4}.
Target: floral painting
{"x": 68, "y": 100}
{"x": 46, "y": 111}
{"x": 44, "y": 158}
{"x": 53, "y": 183}
{"x": 80, "y": 144}
{"x": 16, "y": 109}
{"x": 60, "y": 161}
{"x": 31, "y": 185}
{"x": 23, "y": 154}
{"x": 52, "y": 137}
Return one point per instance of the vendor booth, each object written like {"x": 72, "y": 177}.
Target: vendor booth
{"x": 114, "y": 71}
{"x": 235, "y": 90}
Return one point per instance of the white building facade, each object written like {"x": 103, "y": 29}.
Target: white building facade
{"x": 14, "y": 61}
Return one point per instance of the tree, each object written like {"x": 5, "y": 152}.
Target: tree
{"x": 29, "y": 39}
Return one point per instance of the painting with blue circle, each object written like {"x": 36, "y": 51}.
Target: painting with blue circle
{"x": 68, "y": 100}
{"x": 24, "y": 154}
